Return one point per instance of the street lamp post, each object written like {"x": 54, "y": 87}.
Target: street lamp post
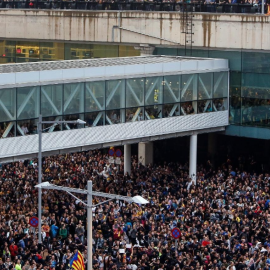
{"x": 40, "y": 122}
{"x": 89, "y": 192}
{"x": 89, "y": 223}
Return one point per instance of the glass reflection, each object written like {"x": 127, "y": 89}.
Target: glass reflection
{"x": 220, "y": 84}
{"x": 115, "y": 94}
{"x": 135, "y": 92}
{"x": 28, "y": 102}
{"x": 153, "y": 91}
{"x": 51, "y": 100}
{"x": 172, "y": 89}
{"x": 189, "y": 87}
{"x": 94, "y": 96}
{"x": 73, "y": 98}
{"x": 205, "y": 86}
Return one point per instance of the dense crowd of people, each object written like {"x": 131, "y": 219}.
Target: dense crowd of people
{"x": 224, "y": 219}
{"x": 220, "y": 6}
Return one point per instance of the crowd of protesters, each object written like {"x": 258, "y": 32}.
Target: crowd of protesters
{"x": 224, "y": 219}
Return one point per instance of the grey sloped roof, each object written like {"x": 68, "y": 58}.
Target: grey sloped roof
{"x": 102, "y": 62}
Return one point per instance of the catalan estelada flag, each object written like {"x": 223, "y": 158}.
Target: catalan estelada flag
{"x": 77, "y": 261}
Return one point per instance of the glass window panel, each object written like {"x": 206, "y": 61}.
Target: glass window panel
{"x": 234, "y": 58}
{"x": 235, "y": 83}
{"x": 26, "y": 60}
{"x": 172, "y": 88}
{"x": 7, "y": 48}
{"x": 220, "y": 84}
{"x": 115, "y": 117}
{"x": 7, "y": 129}
{"x": 235, "y": 110}
{"x": 73, "y": 98}
{"x": 94, "y": 96}
{"x": 220, "y": 104}
{"x": 256, "y": 62}
{"x": 115, "y": 94}
{"x": 73, "y": 117}
{"x": 51, "y": 99}
{"x": 200, "y": 53}
{"x": 27, "y": 127}
{"x": 189, "y": 107}
{"x": 134, "y": 114}
{"x": 135, "y": 92}
{"x": 255, "y": 85}
{"x": 94, "y": 119}
{"x": 7, "y": 104}
{"x": 105, "y": 51}
{"x": 189, "y": 87}
{"x": 153, "y": 112}
{"x": 205, "y": 106}
{"x": 27, "y": 51}
{"x": 170, "y": 110}
{"x": 125, "y": 51}
{"x": 28, "y": 102}
{"x": 255, "y": 111}
{"x": 7, "y": 60}
{"x": 153, "y": 90}
{"x": 51, "y": 51}
{"x": 205, "y": 85}
{"x": 165, "y": 51}
{"x": 78, "y": 51}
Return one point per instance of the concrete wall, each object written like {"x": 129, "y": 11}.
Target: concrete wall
{"x": 211, "y": 30}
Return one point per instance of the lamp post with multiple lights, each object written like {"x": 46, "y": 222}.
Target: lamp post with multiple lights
{"x": 89, "y": 192}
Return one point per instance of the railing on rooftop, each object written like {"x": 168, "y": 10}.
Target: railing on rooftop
{"x": 199, "y": 6}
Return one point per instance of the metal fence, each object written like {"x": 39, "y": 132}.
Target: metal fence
{"x": 134, "y": 5}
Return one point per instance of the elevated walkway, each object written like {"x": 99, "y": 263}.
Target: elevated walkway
{"x": 122, "y": 100}
{"x": 19, "y": 148}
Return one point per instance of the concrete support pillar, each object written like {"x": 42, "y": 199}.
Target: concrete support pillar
{"x": 212, "y": 146}
{"x": 193, "y": 157}
{"x": 127, "y": 158}
{"x": 146, "y": 153}
{"x": 145, "y": 49}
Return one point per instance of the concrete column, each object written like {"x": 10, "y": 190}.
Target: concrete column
{"x": 146, "y": 153}
{"x": 193, "y": 157}
{"x": 145, "y": 49}
{"x": 127, "y": 158}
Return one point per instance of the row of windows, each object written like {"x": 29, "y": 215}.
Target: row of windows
{"x": 250, "y": 111}
{"x": 116, "y": 116}
{"x": 33, "y": 51}
{"x": 253, "y": 61}
{"x": 64, "y": 99}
